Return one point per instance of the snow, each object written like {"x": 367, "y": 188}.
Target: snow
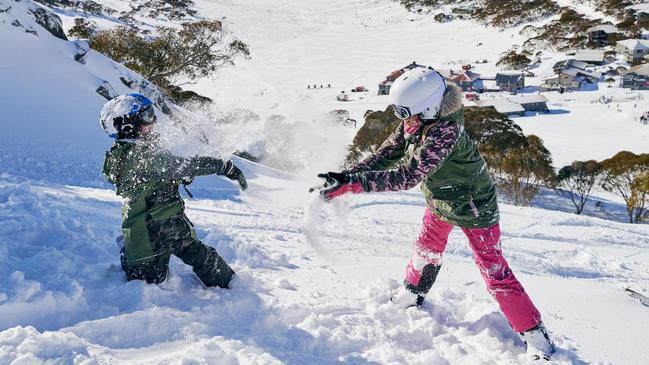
{"x": 634, "y": 44}
{"x": 578, "y": 127}
{"x": 291, "y": 304}
{"x": 590, "y": 55}
{"x": 503, "y": 106}
{"x": 643, "y": 7}
{"x": 53, "y": 115}
{"x": 314, "y": 280}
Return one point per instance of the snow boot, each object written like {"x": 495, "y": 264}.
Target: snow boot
{"x": 428, "y": 277}
{"x": 538, "y": 343}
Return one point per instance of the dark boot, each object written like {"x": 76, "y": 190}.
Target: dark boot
{"x": 207, "y": 264}
{"x": 428, "y": 276}
{"x": 153, "y": 272}
{"x": 215, "y": 272}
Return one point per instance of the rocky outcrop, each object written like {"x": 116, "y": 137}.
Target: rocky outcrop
{"x": 48, "y": 20}
{"x": 82, "y": 49}
{"x": 16, "y": 23}
{"x": 106, "y": 90}
{"x": 126, "y": 81}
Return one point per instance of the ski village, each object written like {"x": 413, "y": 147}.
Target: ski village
{"x": 324, "y": 182}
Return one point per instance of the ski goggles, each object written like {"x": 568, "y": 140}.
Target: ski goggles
{"x": 402, "y": 112}
{"x": 147, "y": 115}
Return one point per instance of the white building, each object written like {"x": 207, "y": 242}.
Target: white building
{"x": 633, "y": 49}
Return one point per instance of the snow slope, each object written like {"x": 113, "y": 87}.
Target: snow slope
{"x": 64, "y": 296}
{"x": 346, "y": 44}
{"x": 322, "y": 300}
{"x": 49, "y": 100}
{"x": 49, "y": 105}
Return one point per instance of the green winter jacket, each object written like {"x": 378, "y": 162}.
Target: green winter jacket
{"x": 443, "y": 158}
{"x": 148, "y": 177}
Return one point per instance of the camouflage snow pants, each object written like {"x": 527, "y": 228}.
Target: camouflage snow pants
{"x": 175, "y": 236}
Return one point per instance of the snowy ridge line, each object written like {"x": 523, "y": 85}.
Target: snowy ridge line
{"x": 121, "y": 12}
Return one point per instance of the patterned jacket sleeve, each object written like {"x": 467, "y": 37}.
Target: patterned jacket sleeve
{"x": 427, "y": 158}
{"x": 389, "y": 153}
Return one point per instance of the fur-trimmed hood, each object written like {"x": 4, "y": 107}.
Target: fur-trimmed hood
{"x": 452, "y": 101}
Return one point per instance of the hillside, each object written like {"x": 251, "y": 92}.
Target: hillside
{"x": 51, "y": 106}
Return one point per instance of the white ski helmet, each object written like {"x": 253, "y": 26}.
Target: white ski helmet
{"x": 418, "y": 91}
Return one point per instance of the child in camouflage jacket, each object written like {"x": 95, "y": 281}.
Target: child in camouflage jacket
{"x": 431, "y": 148}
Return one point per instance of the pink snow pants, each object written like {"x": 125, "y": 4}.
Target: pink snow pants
{"x": 485, "y": 242}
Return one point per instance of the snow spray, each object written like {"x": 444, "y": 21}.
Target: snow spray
{"x": 313, "y": 218}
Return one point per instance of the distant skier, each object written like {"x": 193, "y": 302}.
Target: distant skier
{"x": 431, "y": 147}
{"x": 154, "y": 224}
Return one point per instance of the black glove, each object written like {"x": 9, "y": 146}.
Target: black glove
{"x": 338, "y": 183}
{"x": 335, "y": 178}
{"x": 331, "y": 179}
{"x": 186, "y": 181}
{"x": 234, "y": 173}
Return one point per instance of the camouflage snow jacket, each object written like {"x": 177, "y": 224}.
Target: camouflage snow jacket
{"x": 440, "y": 155}
{"x": 148, "y": 177}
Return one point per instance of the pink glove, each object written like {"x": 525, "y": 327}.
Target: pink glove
{"x": 334, "y": 191}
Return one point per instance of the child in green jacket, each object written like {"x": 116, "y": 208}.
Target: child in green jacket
{"x": 154, "y": 224}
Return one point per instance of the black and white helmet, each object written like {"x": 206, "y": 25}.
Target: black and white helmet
{"x": 418, "y": 91}
{"x": 123, "y": 116}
